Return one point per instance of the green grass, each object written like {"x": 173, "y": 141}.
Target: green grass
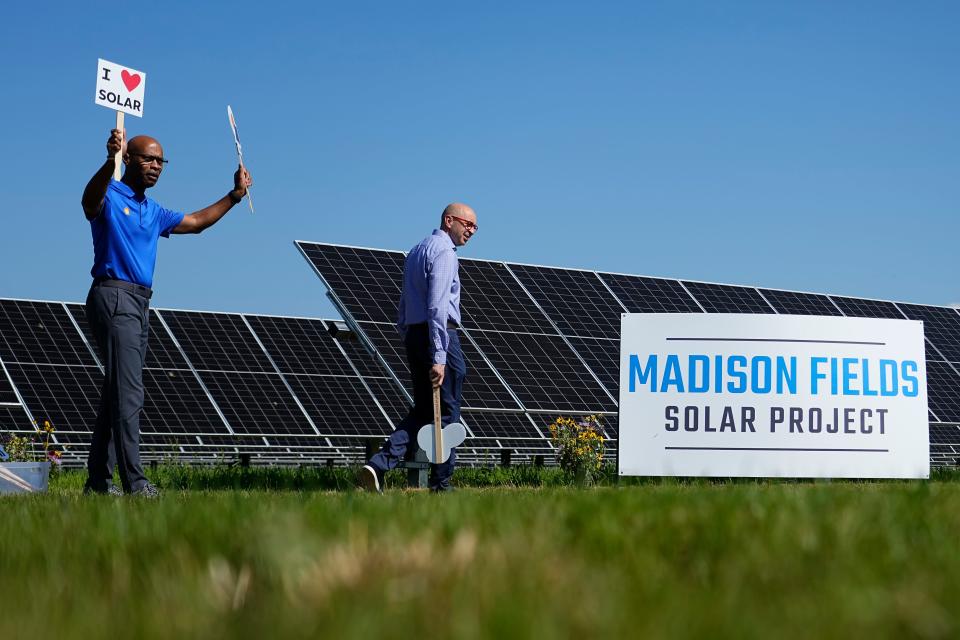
{"x": 673, "y": 558}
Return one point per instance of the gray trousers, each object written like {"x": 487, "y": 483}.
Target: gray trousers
{"x": 120, "y": 322}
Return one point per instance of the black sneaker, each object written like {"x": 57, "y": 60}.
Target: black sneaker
{"x": 369, "y": 479}
{"x": 447, "y": 488}
{"x": 146, "y": 491}
{"x": 112, "y": 490}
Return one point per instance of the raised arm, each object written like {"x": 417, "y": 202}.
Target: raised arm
{"x": 96, "y": 189}
{"x": 208, "y": 216}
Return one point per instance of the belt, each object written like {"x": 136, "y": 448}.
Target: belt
{"x": 138, "y": 289}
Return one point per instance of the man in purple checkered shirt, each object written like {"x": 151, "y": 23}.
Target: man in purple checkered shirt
{"x": 428, "y": 318}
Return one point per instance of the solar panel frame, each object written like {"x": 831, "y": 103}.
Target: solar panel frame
{"x": 482, "y": 388}
{"x": 8, "y": 395}
{"x": 217, "y": 341}
{"x": 941, "y": 326}
{"x": 523, "y": 360}
{"x": 945, "y": 434}
{"x": 491, "y": 298}
{"x": 162, "y": 351}
{"x": 603, "y": 358}
{"x": 943, "y": 391}
{"x": 67, "y": 395}
{"x": 14, "y": 419}
{"x": 300, "y": 346}
{"x": 866, "y": 308}
{"x": 391, "y": 398}
{"x": 502, "y": 425}
{"x": 725, "y": 298}
{"x": 641, "y": 294}
{"x": 339, "y": 266}
{"x": 176, "y": 403}
{"x": 609, "y": 422}
{"x": 577, "y": 302}
{"x": 233, "y": 391}
{"x": 324, "y": 398}
{"x": 800, "y": 303}
{"x": 38, "y": 332}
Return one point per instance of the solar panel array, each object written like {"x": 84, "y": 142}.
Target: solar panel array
{"x": 544, "y": 341}
{"x": 281, "y": 389}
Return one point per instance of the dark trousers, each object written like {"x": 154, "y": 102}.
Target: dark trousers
{"x": 120, "y": 323}
{"x": 451, "y": 394}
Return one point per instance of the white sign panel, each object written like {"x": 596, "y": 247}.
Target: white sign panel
{"x": 766, "y": 396}
{"x": 120, "y": 88}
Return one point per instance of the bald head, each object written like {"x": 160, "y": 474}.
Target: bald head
{"x": 144, "y": 160}
{"x": 143, "y": 144}
{"x": 459, "y": 221}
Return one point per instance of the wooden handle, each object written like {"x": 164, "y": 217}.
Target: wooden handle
{"x": 118, "y": 159}
{"x": 437, "y": 426}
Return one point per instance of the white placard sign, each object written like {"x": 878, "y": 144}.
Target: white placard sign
{"x": 772, "y": 396}
{"x": 120, "y": 88}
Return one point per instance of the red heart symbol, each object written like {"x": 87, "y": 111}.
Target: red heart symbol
{"x": 131, "y": 80}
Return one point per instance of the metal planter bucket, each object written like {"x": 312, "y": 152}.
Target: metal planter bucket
{"x": 24, "y": 477}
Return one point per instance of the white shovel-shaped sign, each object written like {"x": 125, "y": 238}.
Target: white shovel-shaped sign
{"x": 437, "y": 440}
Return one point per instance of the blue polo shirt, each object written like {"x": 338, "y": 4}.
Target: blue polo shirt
{"x": 125, "y": 235}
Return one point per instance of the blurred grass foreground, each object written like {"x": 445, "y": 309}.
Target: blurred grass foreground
{"x": 262, "y": 553}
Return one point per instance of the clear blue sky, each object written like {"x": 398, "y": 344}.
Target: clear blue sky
{"x": 797, "y": 145}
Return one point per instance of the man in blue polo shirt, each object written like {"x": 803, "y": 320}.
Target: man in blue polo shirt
{"x": 126, "y": 226}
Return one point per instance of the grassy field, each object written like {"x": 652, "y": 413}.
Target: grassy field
{"x": 650, "y": 559}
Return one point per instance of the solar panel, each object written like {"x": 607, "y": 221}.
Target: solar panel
{"x": 299, "y": 345}
{"x": 366, "y": 362}
{"x": 313, "y": 442}
{"x": 543, "y": 371}
{"x": 861, "y": 308}
{"x": 367, "y": 282}
{"x": 13, "y": 419}
{"x": 941, "y": 326}
{"x": 217, "y": 341}
{"x": 491, "y": 298}
{"x": 256, "y": 403}
{"x": 944, "y": 434}
{"x": 387, "y": 341}
{"x": 67, "y": 396}
{"x": 339, "y": 405}
{"x": 650, "y": 295}
{"x": 162, "y": 353}
{"x": 603, "y": 358}
{"x": 577, "y": 301}
{"x": 174, "y": 402}
{"x": 481, "y": 388}
{"x": 41, "y": 333}
{"x": 166, "y": 440}
{"x": 388, "y": 394}
{"x": 498, "y": 424}
{"x": 801, "y": 304}
{"x": 233, "y": 440}
{"x": 943, "y": 391}
{"x": 7, "y": 393}
{"x": 724, "y": 298}
{"x": 608, "y": 423}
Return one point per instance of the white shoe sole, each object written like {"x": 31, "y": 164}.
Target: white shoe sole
{"x": 369, "y": 480}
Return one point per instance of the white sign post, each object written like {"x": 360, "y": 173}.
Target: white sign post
{"x": 121, "y": 89}
{"x": 772, "y": 396}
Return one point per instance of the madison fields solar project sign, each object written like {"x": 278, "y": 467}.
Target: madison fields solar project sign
{"x": 767, "y": 396}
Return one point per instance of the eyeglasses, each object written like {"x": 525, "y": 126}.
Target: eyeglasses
{"x": 467, "y": 224}
{"x": 145, "y": 159}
